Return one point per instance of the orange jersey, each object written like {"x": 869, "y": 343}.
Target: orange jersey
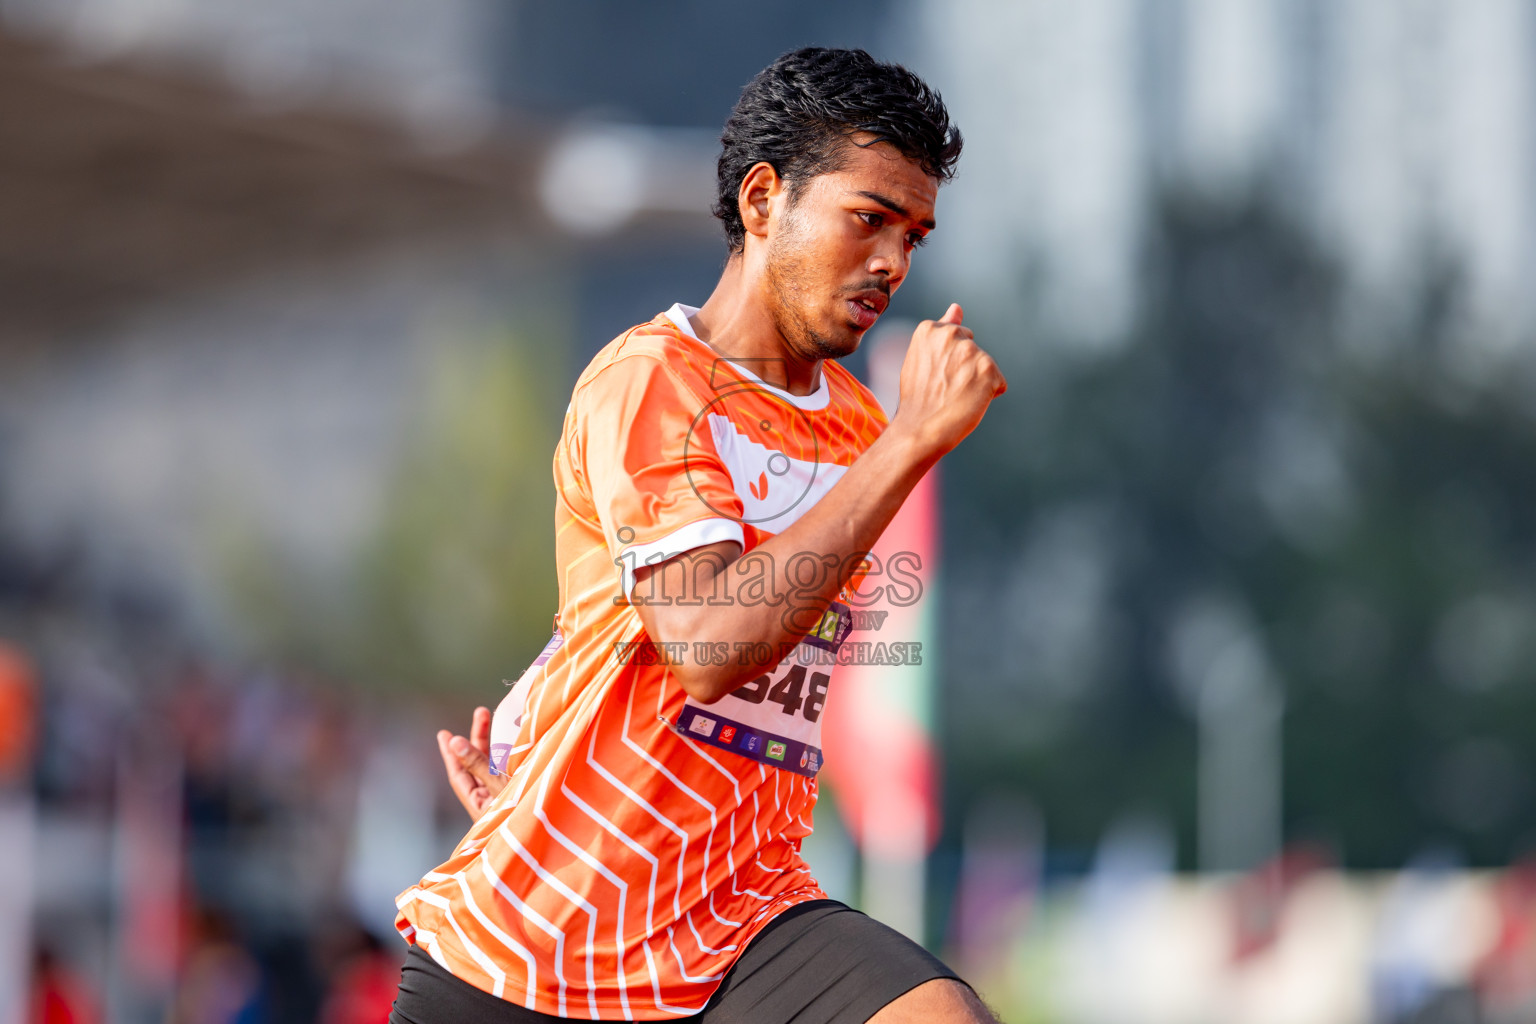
{"x": 644, "y": 839}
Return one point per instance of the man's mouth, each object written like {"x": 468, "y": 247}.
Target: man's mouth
{"x": 865, "y": 308}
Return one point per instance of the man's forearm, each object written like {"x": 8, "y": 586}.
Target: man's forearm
{"x": 777, "y": 593}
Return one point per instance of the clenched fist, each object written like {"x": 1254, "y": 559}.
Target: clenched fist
{"x": 947, "y": 382}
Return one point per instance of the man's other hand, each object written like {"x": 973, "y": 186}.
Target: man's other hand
{"x": 468, "y": 763}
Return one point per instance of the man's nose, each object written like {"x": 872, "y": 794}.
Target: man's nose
{"x": 891, "y": 265}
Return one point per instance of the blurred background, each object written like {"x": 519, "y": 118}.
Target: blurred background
{"x": 1228, "y": 704}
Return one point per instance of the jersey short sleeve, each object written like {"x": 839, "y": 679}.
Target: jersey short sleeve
{"x": 657, "y": 483}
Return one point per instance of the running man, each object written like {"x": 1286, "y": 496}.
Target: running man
{"x": 640, "y": 797}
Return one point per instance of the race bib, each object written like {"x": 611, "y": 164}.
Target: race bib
{"x": 508, "y": 718}
{"x": 776, "y": 718}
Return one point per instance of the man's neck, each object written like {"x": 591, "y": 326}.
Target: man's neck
{"x": 737, "y": 322}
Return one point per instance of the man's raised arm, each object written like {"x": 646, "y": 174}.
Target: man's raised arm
{"x": 947, "y": 382}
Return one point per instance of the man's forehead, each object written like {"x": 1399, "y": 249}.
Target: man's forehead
{"x": 882, "y": 171}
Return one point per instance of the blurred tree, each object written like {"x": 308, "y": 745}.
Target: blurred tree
{"x": 455, "y": 589}
{"x": 1360, "y": 509}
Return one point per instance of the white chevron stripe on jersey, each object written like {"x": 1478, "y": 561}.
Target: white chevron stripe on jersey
{"x": 529, "y": 914}
{"x": 706, "y": 947}
{"x": 645, "y": 805}
{"x": 730, "y": 849}
{"x": 488, "y": 965}
{"x": 672, "y": 942}
{"x": 524, "y": 771}
{"x": 681, "y": 1011}
{"x": 664, "y": 771}
{"x": 592, "y": 862}
{"x": 518, "y": 949}
{"x": 574, "y": 897}
{"x": 747, "y": 892}
{"x": 716, "y": 914}
{"x": 706, "y": 755}
{"x": 430, "y": 938}
{"x": 618, "y": 833}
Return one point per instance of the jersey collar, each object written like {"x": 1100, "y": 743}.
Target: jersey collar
{"x": 817, "y": 399}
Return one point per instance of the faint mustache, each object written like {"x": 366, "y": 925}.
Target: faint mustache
{"x": 874, "y": 284}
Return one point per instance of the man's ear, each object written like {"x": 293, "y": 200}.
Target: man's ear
{"x": 759, "y": 188}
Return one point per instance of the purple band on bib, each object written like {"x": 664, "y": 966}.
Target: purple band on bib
{"x": 549, "y": 649}
{"x": 776, "y": 751}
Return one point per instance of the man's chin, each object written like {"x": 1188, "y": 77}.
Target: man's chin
{"x": 843, "y": 343}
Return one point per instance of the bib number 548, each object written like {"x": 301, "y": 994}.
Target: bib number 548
{"x": 791, "y": 691}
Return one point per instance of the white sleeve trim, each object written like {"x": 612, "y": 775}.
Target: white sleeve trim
{"x": 694, "y": 535}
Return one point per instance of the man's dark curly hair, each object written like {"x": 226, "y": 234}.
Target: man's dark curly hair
{"x": 799, "y": 112}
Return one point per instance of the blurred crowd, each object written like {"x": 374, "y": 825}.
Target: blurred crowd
{"x": 1299, "y": 939}
{"x": 207, "y": 845}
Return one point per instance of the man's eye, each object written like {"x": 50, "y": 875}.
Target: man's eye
{"x": 872, "y": 219}
{"x": 915, "y": 239}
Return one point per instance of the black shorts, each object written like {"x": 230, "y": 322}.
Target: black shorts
{"x": 816, "y": 963}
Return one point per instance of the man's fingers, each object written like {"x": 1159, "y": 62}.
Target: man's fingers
{"x": 953, "y": 315}
{"x": 464, "y": 785}
{"x": 1002, "y": 382}
{"x": 454, "y": 748}
{"x": 480, "y": 730}
{"x": 471, "y": 759}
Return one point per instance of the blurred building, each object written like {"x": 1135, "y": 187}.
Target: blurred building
{"x": 1398, "y": 131}
{"x": 210, "y": 295}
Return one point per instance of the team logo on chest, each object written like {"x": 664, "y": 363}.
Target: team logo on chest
{"x": 775, "y": 488}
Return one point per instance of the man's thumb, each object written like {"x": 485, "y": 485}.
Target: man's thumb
{"x": 468, "y": 756}
{"x": 953, "y": 315}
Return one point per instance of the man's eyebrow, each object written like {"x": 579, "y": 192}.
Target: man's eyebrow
{"x": 895, "y": 207}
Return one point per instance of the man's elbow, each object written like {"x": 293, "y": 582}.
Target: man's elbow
{"x": 704, "y": 683}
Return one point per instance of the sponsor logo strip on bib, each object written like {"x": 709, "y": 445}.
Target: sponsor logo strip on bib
{"x": 776, "y": 718}
{"x": 778, "y": 751}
